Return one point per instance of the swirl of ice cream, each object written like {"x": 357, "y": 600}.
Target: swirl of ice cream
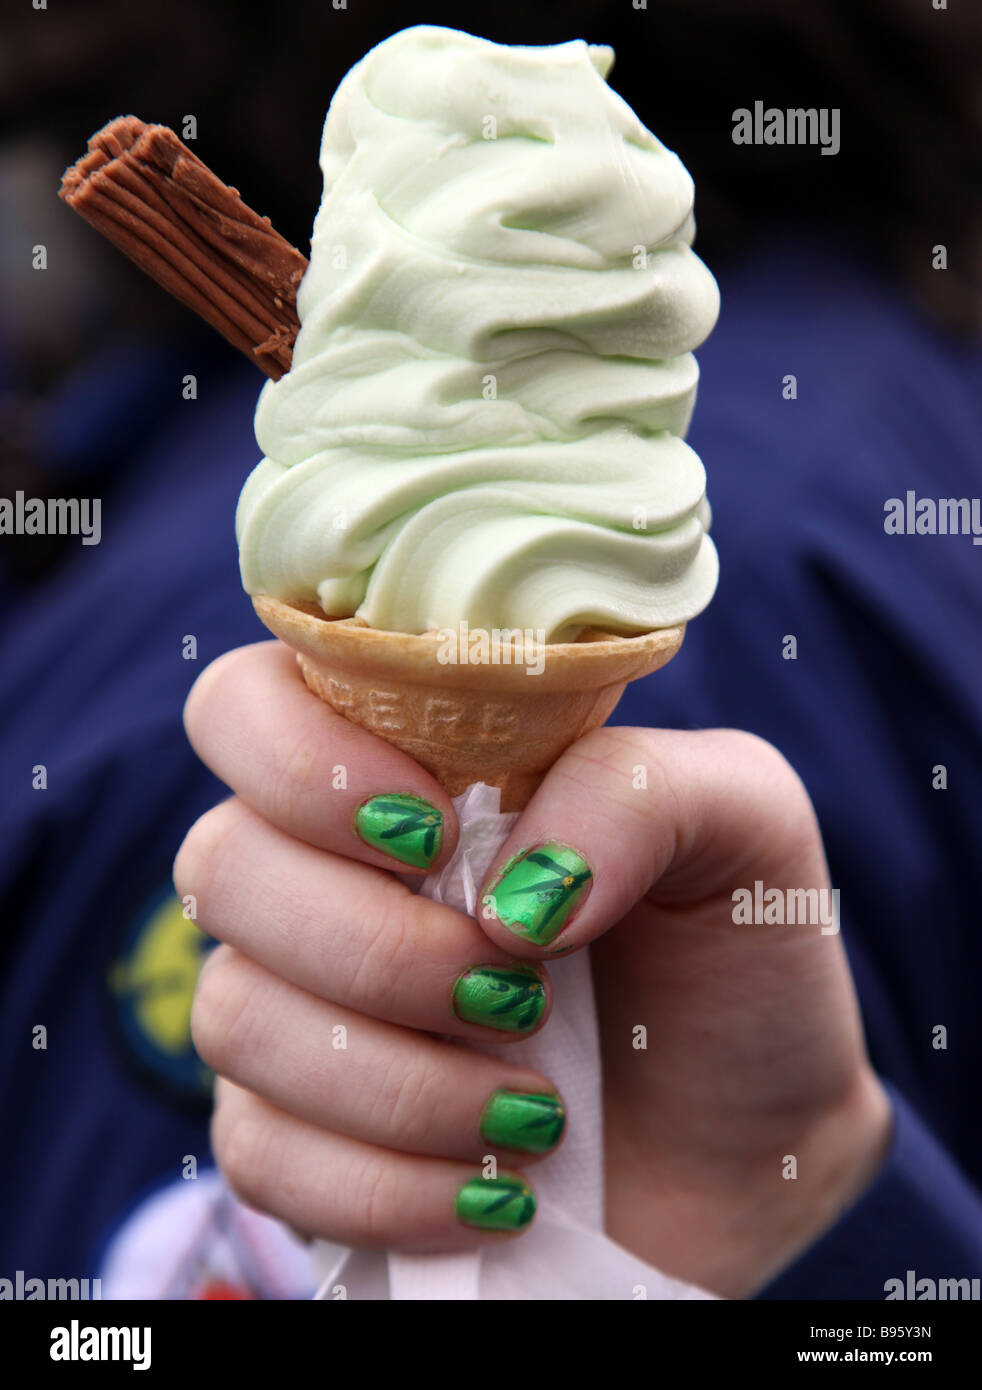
{"x": 493, "y": 375}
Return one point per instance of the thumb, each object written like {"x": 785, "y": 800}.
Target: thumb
{"x": 625, "y": 813}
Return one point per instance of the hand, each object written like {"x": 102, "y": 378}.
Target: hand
{"x": 340, "y": 1109}
{"x": 754, "y": 1050}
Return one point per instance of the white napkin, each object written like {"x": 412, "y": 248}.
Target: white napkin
{"x": 565, "y": 1254}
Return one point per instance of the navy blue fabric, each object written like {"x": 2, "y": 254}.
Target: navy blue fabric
{"x": 887, "y": 684}
{"x": 92, "y": 682}
{"x": 922, "y": 1214}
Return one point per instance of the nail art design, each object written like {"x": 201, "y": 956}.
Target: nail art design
{"x": 504, "y": 1203}
{"x": 527, "y": 1121}
{"x": 407, "y": 827}
{"x": 509, "y": 997}
{"x": 537, "y": 892}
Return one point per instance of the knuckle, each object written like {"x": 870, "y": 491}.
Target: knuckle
{"x": 240, "y": 1141}
{"x": 203, "y": 691}
{"x": 375, "y": 1198}
{"x": 604, "y": 763}
{"x": 613, "y": 750}
{"x": 406, "y": 1101}
{"x": 297, "y": 786}
{"x": 221, "y": 1008}
{"x": 197, "y": 859}
{"x": 763, "y": 792}
{"x": 381, "y": 955}
{"x": 612, "y": 743}
{"x": 205, "y": 1030}
{"x": 768, "y": 765}
{"x": 752, "y": 748}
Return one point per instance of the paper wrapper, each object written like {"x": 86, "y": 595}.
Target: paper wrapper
{"x": 565, "y": 1254}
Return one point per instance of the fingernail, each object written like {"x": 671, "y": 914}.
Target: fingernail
{"x": 504, "y": 1203}
{"x": 538, "y": 892}
{"x": 526, "y": 1121}
{"x": 509, "y": 997}
{"x": 407, "y": 827}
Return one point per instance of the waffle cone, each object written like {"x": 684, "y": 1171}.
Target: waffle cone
{"x": 492, "y": 721}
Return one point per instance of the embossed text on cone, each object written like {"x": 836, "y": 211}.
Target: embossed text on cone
{"x": 499, "y": 721}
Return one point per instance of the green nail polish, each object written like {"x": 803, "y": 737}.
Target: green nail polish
{"x": 504, "y": 1203}
{"x": 510, "y": 997}
{"x": 537, "y": 892}
{"x": 528, "y": 1122}
{"x": 407, "y": 827}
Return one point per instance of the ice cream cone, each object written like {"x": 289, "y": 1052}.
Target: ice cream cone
{"x": 477, "y": 710}
{"x": 490, "y": 717}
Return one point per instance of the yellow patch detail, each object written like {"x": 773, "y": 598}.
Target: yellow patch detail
{"x": 160, "y": 975}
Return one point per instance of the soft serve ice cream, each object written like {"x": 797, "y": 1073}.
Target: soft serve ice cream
{"x": 483, "y": 421}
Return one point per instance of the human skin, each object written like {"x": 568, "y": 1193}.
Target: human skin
{"x": 754, "y": 1050}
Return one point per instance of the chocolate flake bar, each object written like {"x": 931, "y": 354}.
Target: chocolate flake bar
{"x": 144, "y": 190}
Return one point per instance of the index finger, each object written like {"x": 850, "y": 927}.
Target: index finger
{"x": 311, "y": 772}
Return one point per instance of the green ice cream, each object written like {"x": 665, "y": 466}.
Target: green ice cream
{"x": 494, "y": 371}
